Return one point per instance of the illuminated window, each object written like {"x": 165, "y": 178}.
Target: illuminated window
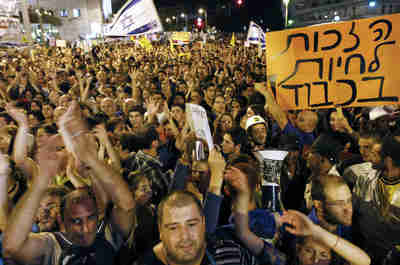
{"x": 64, "y": 13}
{"x": 76, "y": 12}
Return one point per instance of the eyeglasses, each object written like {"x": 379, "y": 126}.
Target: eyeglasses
{"x": 339, "y": 203}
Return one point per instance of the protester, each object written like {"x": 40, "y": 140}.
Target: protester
{"x": 128, "y": 141}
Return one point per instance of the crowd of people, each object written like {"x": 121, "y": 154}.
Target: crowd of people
{"x": 100, "y": 165}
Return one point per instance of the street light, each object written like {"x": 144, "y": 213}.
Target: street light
{"x": 183, "y": 15}
{"x": 201, "y": 11}
{"x": 372, "y": 3}
{"x": 286, "y": 3}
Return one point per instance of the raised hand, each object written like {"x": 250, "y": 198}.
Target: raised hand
{"x": 17, "y": 114}
{"x": 100, "y": 132}
{"x": 299, "y": 224}
{"x": 217, "y": 163}
{"x": 237, "y": 179}
{"x": 49, "y": 160}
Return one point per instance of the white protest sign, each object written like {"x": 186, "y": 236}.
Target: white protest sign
{"x": 196, "y": 116}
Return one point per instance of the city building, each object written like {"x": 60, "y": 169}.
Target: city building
{"x": 310, "y": 12}
{"x": 78, "y": 18}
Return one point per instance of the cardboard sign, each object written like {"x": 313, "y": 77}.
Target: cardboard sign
{"x": 198, "y": 121}
{"x": 345, "y": 64}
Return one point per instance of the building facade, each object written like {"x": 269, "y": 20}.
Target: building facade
{"x": 310, "y": 12}
{"x": 79, "y": 18}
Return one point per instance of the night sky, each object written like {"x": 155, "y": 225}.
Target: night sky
{"x": 267, "y": 11}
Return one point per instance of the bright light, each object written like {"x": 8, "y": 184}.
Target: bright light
{"x": 372, "y": 3}
{"x": 199, "y": 20}
{"x": 201, "y": 10}
{"x": 286, "y": 2}
{"x": 173, "y": 17}
{"x": 167, "y": 20}
{"x": 291, "y": 21}
{"x": 337, "y": 18}
{"x": 239, "y": 2}
{"x": 183, "y": 15}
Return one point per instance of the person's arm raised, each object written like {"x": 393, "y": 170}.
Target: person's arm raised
{"x": 301, "y": 225}
{"x": 4, "y": 175}
{"x": 21, "y": 144}
{"x": 18, "y": 242}
{"x": 263, "y": 250}
{"x": 112, "y": 182}
{"x": 272, "y": 106}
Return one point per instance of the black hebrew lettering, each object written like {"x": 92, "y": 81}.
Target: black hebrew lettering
{"x": 348, "y": 61}
{"x": 326, "y": 103}
{"x": 380, "y": 97}
{"x": 375, "y": 64}
{"x": 296, "y": 68}
{"x": 330, "y": 68}
{"x": 298, "y": 35}
{"x": 353, "y": 25}
{"x": 379, "y": 30}
{"x": 338, "y": 39}
{"x": 353, "y": 86}
{"x": 316, "y": 39}
{"x": 296, "y": 92}
{"x": 339, "y": 62}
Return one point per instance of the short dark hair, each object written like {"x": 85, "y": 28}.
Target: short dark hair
{"x": 237, "y": 135}
{"x": 390, "y": 148}
{"x": 70, "y": 198}
{"x": 178, "y": 198}
{"x": 319, "y": 185}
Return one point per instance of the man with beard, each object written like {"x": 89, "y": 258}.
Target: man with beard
{"x": 333, "y": 209}
{"x": 377, "y": 205}
{"x": 48, "y": 215}
{"x": 182, "y": 227}
{"x": 257, "y": 131}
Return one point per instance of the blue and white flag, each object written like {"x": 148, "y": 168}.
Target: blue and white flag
{"x": 256, "y": 35}
{"x": 134, "y": 18}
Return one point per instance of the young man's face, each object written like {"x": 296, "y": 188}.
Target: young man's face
{"x": 80, "y": 220}
{"x": 338, "y": 205}
{"x": 182, "y": 233}
{"x": 48, "y": 213}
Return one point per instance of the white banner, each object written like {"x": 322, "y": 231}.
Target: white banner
{"x": 256, "y": 35}
{"x": 198, "y": 121}
{"x": 134, "y": 18}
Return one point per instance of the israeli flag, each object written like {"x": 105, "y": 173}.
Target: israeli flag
{"x": 136, "y": 17}
{"x": 256, "y": 35}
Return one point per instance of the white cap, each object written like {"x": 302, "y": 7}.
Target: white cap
{"x": 253, "y": 120}
{"x": 377, "y": 112}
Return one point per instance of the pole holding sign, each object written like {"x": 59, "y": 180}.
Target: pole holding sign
{"x": 344, "y": 64}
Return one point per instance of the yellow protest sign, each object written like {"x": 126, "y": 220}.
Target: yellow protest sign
{"x": 344, "y": 64}
{"x": 181, "y": 37}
